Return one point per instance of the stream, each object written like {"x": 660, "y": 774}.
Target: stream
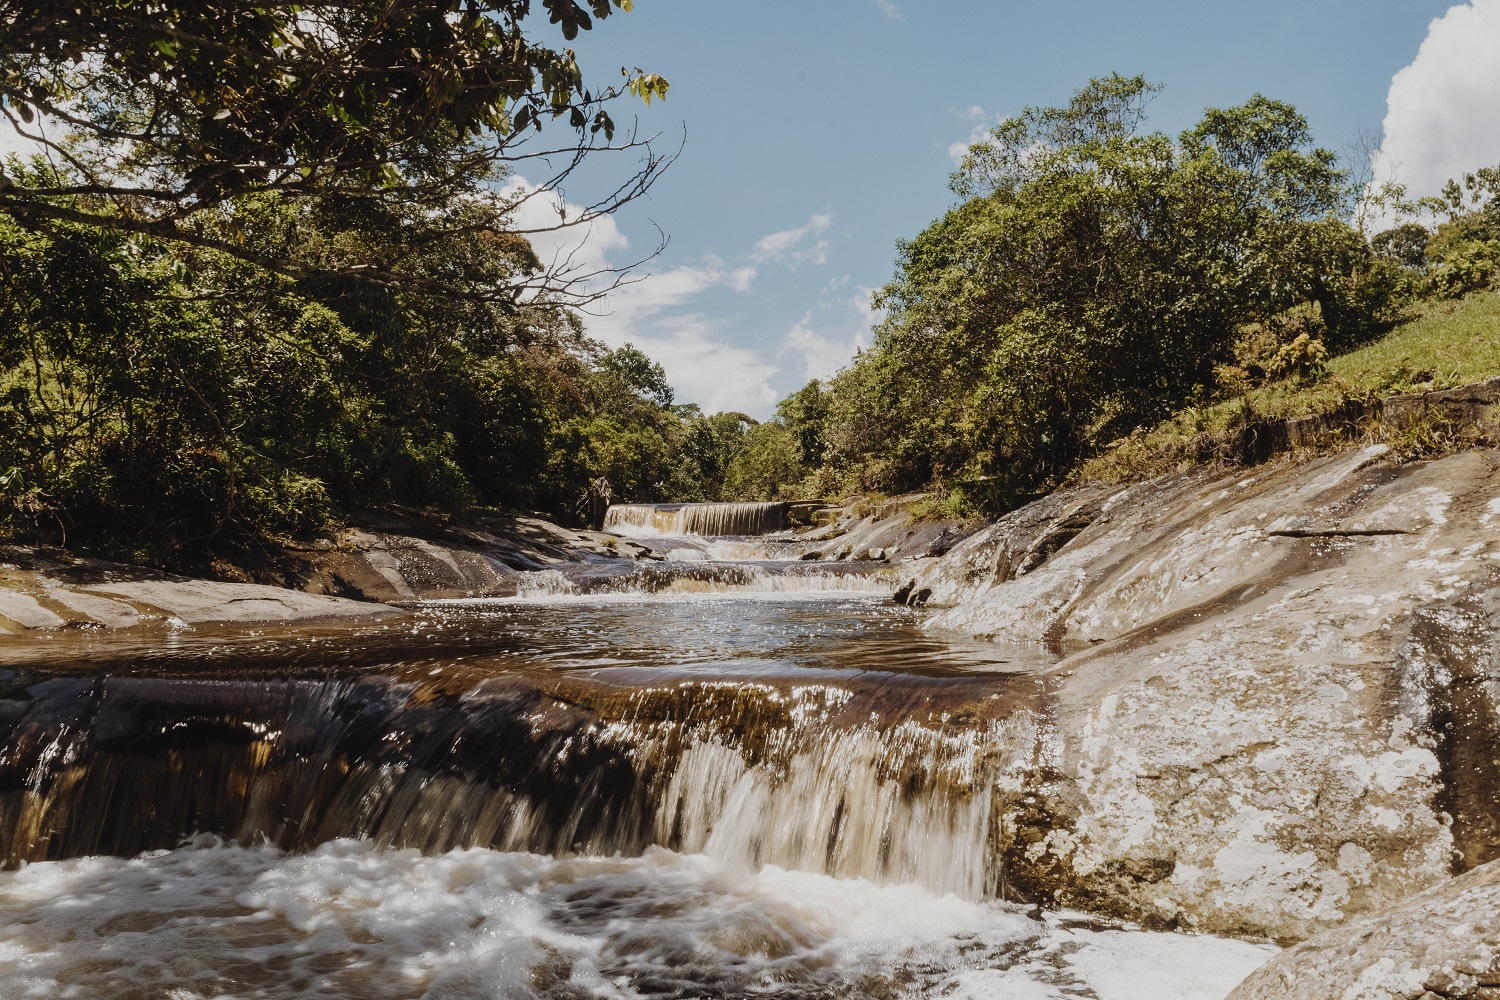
{"x": 714, "y": 776}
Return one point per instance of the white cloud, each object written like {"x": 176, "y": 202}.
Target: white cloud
{"x": 824, "y": 353}
{"x": 787, "y": 246}
{"x": 888, "y": 9}
{"x": 12, "y": 141}
{"x": 1443, "y": 111}
{"x": 982, "y": 121}
{"x": 658, "y": 311}
{"x": 579, "y": 250}
{"x": 648, "y": 311}
{"x": 701, "y": 367}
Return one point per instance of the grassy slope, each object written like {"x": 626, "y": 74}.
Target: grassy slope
{"x": 1447, "y": 343}
{"x": 1455, "y": 342}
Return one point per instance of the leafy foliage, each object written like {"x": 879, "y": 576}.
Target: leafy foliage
{"x": 1090, "y": 281}
{"x": 177, "y": 405}
{"x": 270, "y": 271}
{"x": 165, "y": 110}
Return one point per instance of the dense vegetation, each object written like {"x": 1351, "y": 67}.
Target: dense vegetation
{"x": 153, "y": 394}
{"x": 266, "y": 273}
{"x": 1096, "y": 278}
{"x": 218, "y": 328}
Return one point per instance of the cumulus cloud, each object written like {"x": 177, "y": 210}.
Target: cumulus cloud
{"x": 888, "y": 9}
{"x": 572, "y": 250}
{"x": 827, "y": 338}
{"x": 981, "y": 121}
{"x": 1443, "y": 111}
{"x": 791, "y": 246}
{"x": 660, "y": 310}
{"x": 653, "y": 310}
{"x": 699, "y": 364}
{"x": 12, "y": 141}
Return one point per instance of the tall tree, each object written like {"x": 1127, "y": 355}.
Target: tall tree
{"x": 1089, "y": 280}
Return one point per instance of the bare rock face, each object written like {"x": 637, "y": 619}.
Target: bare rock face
{"x": 44, "y": 591}
{"x": 1442, "y": 944}
{"x": 1276, "y": 703}
{"x": 392, "y": 562}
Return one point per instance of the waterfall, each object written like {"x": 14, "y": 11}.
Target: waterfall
{"x": 707, "y": 519}
{"x": 872, "y": 782}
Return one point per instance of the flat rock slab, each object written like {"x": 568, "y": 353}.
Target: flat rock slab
{"x": 42, "y": 591}
{"x": 1442, "y": 944}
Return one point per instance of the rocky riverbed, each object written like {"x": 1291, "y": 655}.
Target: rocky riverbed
{"x": 1276, "y": 705}
{"x": 1267, "y": 699}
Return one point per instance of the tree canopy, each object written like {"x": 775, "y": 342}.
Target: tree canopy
{"x": 268, "y": 270}
{"x": 1089, "y": 281}
{"x": 157, "y": 111}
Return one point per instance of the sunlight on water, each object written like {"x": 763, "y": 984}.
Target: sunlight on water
{"x": 619, "y": 794}
{"x": 351, "y": 920}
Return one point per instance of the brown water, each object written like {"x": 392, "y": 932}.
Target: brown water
{"x": 632, "y": 796}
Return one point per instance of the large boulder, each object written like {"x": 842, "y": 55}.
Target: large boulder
{"x": 1442, "y": 944}
{"x": 1252, "y": 727}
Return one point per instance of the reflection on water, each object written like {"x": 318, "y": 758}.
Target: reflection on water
{"x": 739, "y": 635}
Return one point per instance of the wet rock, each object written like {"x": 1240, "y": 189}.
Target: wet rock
{"x": 1272, "y": 715}
{"x": 1442, "y": 943}
{"x": 383, "y": 567}
{"x": 397, "y": 565}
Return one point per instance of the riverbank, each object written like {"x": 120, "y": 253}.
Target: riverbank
{"x": 1275, "y": 691}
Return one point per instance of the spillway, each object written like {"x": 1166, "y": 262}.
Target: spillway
{"x": 705, "y": 519}
{"x": 814, "y": 756}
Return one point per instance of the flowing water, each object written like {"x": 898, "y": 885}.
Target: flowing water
{"x": 696, "y": 518}
{"x": 686, "y": 780}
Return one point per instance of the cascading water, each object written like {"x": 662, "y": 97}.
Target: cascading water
{"x": 706, "y": 519}
{"x": 747, "y": 773}
{"x": 605, "y": 794}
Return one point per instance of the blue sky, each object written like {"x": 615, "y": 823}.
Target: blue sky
{"x": 819, "y": 132}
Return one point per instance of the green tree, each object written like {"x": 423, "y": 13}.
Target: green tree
{"x": 1089, "y": 281}
{"x": 166, "y": 110}
{"x": 805, "y": 413}
{"x": 709, "y": 447}
{"x": 270, "y": 271}
{"x": 766, "y": 467}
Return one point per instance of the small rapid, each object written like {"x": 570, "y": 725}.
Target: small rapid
{"x": 355, "y": 920}
{"x": 661, "y": 778}
{"x": 746, "y": 752}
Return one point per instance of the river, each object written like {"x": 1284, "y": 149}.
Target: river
{"x": 701, "y": 779}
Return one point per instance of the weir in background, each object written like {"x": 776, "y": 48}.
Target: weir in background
{"x": 706, "y": 519}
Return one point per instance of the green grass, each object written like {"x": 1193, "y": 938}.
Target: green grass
{"x": 1454, "y": 342}
{"x": 1444, "y": 344}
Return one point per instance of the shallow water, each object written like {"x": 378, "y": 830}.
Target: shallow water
{"x": 554, "y": 797}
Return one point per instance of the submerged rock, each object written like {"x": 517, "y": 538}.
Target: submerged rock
{"x": 1442, "y": 943}
{"x": 1278, "y": 710}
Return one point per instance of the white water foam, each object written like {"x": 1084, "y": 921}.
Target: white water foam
{"x": 700, "y": 579}
{"x": 351, "y": 920}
